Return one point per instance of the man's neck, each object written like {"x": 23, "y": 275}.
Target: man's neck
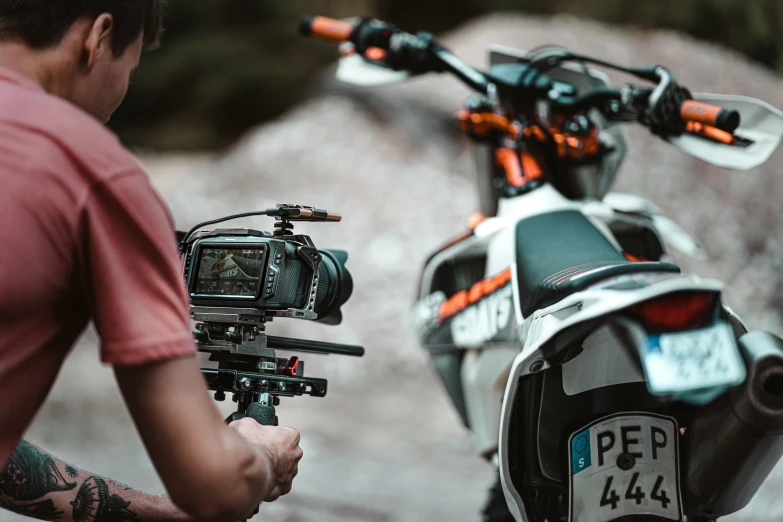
{"x": 38, "y": 66}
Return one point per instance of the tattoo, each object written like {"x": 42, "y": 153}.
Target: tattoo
{"x": 30, "y": 474}
{"x": 94, "y": 504}
{"x": 43, "y": 510}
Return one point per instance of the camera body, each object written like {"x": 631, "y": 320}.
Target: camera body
{"x": 283, "y": 276}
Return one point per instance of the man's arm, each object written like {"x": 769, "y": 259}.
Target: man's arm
{"x": 133, "y": 282}
{"x": 36, "y": 484}
{"x": 211, "y": 471}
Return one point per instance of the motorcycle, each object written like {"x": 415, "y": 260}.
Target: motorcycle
{"x": 603, "y": 383}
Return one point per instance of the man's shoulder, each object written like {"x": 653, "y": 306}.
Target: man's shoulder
{"x": 89, "y": 144}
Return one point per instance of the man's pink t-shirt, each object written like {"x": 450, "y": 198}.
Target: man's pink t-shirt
{"x": 83, "y": 236}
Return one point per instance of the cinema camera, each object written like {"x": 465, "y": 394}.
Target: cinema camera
{"x": 240, "y": 279}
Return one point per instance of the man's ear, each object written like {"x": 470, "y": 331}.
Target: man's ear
{"x": 99, "y": 39}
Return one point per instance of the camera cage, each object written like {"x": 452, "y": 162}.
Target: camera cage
{"x": 234, "y": 336}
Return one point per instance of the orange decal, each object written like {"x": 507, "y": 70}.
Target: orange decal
{"x": 459, "y": 301}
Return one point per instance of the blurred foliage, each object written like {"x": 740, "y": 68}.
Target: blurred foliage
{"x": 226, "y": 66}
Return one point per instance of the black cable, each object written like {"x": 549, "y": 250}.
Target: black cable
{"x": 267, "y": 212}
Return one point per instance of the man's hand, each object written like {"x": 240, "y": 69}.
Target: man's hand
{"x": 211, "y": 471}
{"x": 281, "y": 448}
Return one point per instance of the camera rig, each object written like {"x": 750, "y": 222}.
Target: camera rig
{"x": 241, "y": 279}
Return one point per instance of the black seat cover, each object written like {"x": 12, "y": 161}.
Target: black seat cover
{"x": 556, "y": 253}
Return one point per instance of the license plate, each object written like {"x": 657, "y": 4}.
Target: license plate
{"x": 625, "y": 465}
{"x": 694, "y": 360}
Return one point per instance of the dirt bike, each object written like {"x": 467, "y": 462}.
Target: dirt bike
{"x": 604, "y": 383}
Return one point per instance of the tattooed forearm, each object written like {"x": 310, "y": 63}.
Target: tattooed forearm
{"x": 94, "y": 503}
{"x": 43, "y": 510}
{"x": 30, "y": 474}
{"x": 35, "y": 484}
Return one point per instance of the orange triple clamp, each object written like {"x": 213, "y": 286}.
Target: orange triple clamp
{"x": 482, "y": 124}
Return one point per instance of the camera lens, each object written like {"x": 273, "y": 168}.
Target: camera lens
{"x": 334, "y": 286}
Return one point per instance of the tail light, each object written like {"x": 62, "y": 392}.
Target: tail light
{"x": 676, "y": 312}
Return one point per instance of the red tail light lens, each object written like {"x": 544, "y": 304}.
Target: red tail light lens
{"x": 676, "y": 312}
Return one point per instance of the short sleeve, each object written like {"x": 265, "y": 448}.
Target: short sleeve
{"x": 132, "y": 273}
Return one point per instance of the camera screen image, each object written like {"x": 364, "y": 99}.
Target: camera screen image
{"x": 230, "y": 271}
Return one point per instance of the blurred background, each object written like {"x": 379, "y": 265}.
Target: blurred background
{"x": 236, "y": 112}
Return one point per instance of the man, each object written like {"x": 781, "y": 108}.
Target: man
{"x": 97, "y": 243}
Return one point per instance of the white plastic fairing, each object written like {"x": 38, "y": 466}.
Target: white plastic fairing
{"x": 760, "y": 122}
{"x": 484, "y": 376}
{"x": 355, "y": 70}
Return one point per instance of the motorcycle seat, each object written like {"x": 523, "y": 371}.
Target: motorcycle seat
{"x": 562, "y": 252}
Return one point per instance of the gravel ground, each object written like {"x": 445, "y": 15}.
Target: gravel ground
{"x": 384, "y": 445}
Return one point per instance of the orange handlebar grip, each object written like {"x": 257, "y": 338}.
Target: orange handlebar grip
{"x": 724, "y": 119}
{"x": 326, "y": 28}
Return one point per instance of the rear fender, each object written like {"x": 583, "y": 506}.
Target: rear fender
{"x": 543, "y": 332}
{"x": 583, "y": 320}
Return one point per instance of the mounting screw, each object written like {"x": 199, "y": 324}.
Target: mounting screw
{"x": 626, "y": 461}
{"x": 264, "y": 384}
{"x": 281, "y": 386}
{"x": 244, "y": 382}
{"x": 302, "y": 386}
{"x": 537, "y": 366}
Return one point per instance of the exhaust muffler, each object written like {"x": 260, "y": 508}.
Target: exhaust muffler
{"x": 735, "y": 442}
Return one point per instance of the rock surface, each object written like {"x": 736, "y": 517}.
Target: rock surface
{"x": 385, "y": 445}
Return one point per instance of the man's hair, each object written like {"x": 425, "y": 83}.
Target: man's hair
{"x": 43, "y": 23}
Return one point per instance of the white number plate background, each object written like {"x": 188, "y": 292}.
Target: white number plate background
{"x": 601, "y": 491}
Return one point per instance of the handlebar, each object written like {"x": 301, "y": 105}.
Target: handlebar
{"x": 666, "y": 109}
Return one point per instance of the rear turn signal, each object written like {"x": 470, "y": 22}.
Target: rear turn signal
{"x": 676, "y": 312}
